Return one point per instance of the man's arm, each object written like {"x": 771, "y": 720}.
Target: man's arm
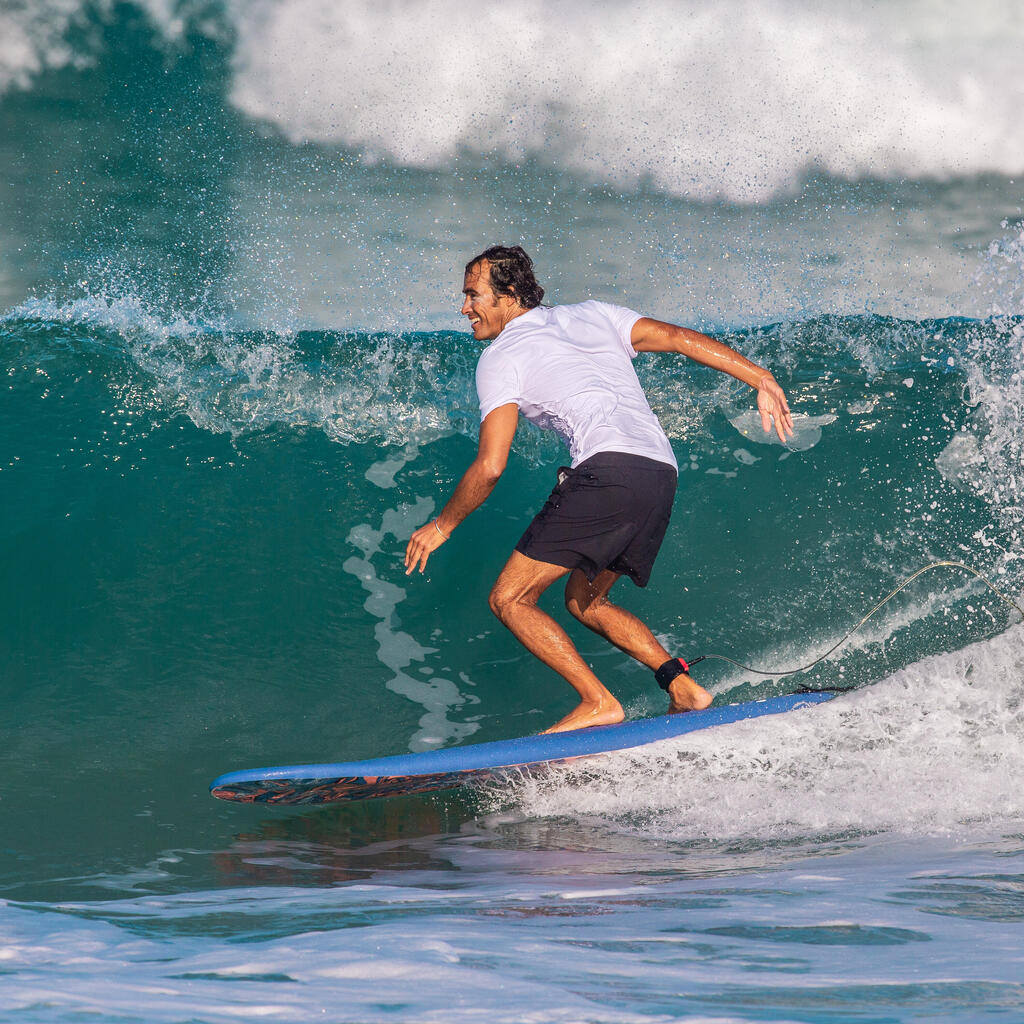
{"x": 496, "y": 433}
{"x": 655, "y": 336}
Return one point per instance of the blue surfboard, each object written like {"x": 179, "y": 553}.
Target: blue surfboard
{"x": 401, "y": 774}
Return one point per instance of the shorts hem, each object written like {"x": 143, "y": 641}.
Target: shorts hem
{"x": 574, "y": 560}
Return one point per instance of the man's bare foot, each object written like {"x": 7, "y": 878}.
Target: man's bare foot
{"x": 604, "y": 712}
{"x": 685, "y": 695}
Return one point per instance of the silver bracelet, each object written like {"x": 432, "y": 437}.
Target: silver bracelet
{"x": 447, "y": 536}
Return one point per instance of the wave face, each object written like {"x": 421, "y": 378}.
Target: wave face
{"x": 730, "y": 100}
{"x": 203, "y": 443}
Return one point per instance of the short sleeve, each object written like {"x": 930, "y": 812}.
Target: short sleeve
{"x": 622, "y": 320}
{"x": 497, "y": 382}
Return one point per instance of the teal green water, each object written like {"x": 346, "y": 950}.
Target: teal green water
{"x": 203, "y": 533}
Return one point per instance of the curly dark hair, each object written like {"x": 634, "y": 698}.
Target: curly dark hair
{"x": 511, "y": 274}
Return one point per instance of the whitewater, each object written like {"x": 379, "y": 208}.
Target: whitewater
{"x": 235, "y": 380}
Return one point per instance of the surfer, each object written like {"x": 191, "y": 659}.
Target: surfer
{"x": 569, "y": 369}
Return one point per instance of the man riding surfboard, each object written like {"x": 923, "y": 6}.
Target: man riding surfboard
{"x": 569, "y": 369}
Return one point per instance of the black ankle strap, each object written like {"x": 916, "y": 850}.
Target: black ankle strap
{"x": 668, "y": 671}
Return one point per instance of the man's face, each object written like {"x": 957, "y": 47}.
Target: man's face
{"x": 488, "y": 313}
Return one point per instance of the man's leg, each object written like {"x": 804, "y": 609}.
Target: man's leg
{"x": 514, "y": 600}
{"x": 588, "y": 602}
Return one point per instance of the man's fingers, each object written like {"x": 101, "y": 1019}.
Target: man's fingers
{"x": 783, "y": 424}
{"x": 412, "y": 552}
{"x": 410, "y": 557}
{"x": 415, "y": 553}
{"x": 782, "y": 418}
{"x": 421, "y": 558}
{"x": 772, "y": 405}
{"x": 419, "y": 548}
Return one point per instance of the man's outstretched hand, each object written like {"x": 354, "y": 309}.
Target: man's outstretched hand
{"x": 424, "y": 541}
{"x": 772, "y": 405}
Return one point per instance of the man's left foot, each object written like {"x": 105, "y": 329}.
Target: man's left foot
{"x": 589, "y": 713}
{"x": 685, "y": 695}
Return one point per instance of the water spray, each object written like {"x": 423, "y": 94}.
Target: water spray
{"x": 906, "y": 583}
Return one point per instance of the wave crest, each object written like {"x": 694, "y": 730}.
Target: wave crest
{"x": 712, "y": 101}
{"x": 355, "y": 387}
{"x": 727, "y": 100}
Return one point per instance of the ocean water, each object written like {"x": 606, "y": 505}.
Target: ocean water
{"x": 235, "y": 380}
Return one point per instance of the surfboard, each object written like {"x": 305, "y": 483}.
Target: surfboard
{"x": 431, "y": 770}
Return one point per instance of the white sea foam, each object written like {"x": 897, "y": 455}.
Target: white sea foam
{"x": 34, "y": 37}
{"x": 730, "y": 99}
{"x": 704, "y": 99}
{"x": 932, "y": 747}
{"x": 806, "y": 429}
{"x": 987, "y": 455}
{"x": 1001, "y": 275}
{"x": 503, "y": 932}
{"x": 32, "y": 40}
{"x": 396, "y": 648}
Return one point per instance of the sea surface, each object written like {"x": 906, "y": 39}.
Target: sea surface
{"x": 234, "y": 380}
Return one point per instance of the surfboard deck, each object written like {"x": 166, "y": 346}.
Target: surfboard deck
{"x": 431, "y": 770}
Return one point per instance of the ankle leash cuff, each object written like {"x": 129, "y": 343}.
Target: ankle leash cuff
{"x": 668, "y": 671}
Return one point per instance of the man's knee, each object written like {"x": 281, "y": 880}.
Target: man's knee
{"x": 580, "y": 603}
{"x": 520, "y": 586}
{"x": 503, "y": 600}
{"x": 497, "y": 599}
{"x": 587, "y": 599}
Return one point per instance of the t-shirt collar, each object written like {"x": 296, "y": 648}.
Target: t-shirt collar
{"x": 530, "y": 317}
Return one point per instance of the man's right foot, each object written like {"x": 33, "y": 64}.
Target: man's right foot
{"x": 588, "y": 713}
{"x": 685, "y": 695}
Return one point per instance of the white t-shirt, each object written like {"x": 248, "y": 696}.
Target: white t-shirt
{"x": 570, "y": 369}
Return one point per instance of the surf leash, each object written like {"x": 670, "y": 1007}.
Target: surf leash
{"x": 885, "y": 600}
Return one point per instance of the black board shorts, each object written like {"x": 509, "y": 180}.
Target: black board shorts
{"x": 610, "y": 512}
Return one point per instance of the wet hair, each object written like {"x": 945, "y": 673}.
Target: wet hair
{"x": 511, "y": 274}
